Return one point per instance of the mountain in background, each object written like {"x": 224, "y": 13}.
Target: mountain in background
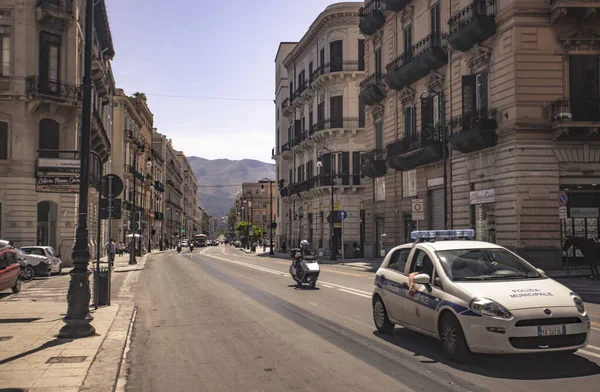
{"x": 220, "y": 179}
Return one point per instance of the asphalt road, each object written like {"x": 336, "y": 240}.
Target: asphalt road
{"x": 222, "y": 320}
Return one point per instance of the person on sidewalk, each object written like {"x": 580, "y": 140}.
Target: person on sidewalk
{"x": 111, "y": 250}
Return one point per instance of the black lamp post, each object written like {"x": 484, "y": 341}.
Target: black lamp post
{"x": 78, "y": 319}
{"x": 262, "y": 186}
{"x": 333, "y": 250}
{"x": 430, "y": 94}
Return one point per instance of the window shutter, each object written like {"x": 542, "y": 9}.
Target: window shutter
{"x": 321, "y": 112}
{"x": 361, "y": 54}
{"x": 336, "y": 111}
{"x": 426, "y": 118}
{"x": 326, "y": 169}
{"x": 361, "y": 113}
{"x": 291, "y": 177}
{"x": 3, "y": 140}
{"x": 335, "y": 56}
{"x": 379, "y": 136}
{"x": 297, "y": 129}
{"x": 356, "y": 168}
{"x": 345, "y": 168}
{"x": 484, "y": 92}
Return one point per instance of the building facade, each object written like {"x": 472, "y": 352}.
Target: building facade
{"x": 189, "y": 202}
{"x": 319, "y": 153}
{"x": 41, "y": 70}
{"x": 256, "y": 199}
{"x": 510, "y": 88}
{"x": 174, "y": 195}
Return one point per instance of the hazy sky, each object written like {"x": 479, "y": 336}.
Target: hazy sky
{"x": 187, "y": 55}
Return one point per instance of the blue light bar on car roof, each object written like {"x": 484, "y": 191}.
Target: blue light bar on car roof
{"x": 442, "y": 234}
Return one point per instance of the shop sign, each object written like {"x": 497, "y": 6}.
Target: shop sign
{"x": 585, "y": 212}
{"x": 418, "y": 212}
{"x": 58, "y": 163}
{"x": 58, "y": 183}
{"x": 337, "y": 205}
{"x": 483, "y": 196}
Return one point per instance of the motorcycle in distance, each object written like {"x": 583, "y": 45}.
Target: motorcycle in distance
{"x": 305, "y": 265}
{"x": 191, "y": 247}
{"x": 178, "y": 248}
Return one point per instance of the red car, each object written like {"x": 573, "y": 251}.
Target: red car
{"x": 10, "y": 269}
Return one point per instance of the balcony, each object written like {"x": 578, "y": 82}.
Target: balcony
{"x": 473, "y": 131}
{"x": 299, "y": 90}
{"x": 159, "y": 216}
{"x": 53, "y": 91}
{"x": 472, "y": 25}
{"x": 286, "y": 108}
{"x": 372, "y": 89}
{"x": 396, "y": 5}
{"x": 346, "y": 123}
{"x": 372, "y": 164}
{"x": 582, "y": 10}
{"x": 138, "y": 176}
{"x": 371, "y": 17}
{"x": 159, "y": 186}
{"x": 100, "y": 140}
{"x": 416, "y": 150}
{"x": 423, "y": 57}
{"x": 575, "y": 119}
{"x": 56, "y": 14}
{"x": 329, "y": 72}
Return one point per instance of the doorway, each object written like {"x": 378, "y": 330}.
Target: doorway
{"x": 46, "y": 224}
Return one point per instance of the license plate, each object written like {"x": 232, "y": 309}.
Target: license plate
{"x": 552, "y": 330}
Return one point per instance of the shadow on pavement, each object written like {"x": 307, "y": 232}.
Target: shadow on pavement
{"x": 52, "y": 343}
{"x": 303, "y": 287}
{"x": 539, "y": 366}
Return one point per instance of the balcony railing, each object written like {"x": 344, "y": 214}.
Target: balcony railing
{"x": 53, "y": 90}
{"x": 423, "y": 57}
{"x": 138, "y": 175}
{"x": 336, "y": 123}
{"x": 336, "y": 66}
{"x": 473, "y": 131}
{"x": 286, "y": 147}
{"x": 472, "y": 25}
{"x": 416, "y": 150}
{"x": 371, "y": 17}
{"x": 372, "y": 89}
{"x": 576, "y": 108}
{"x": 372, "y": 163}
{"x": 396, "y": 5}
{"x": 285, "y": 103}
{"x": 299, "y": 90}
{"x": 65, "y": 6}
{"x": 159, "y": 186}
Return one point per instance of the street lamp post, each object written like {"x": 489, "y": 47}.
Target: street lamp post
{"x": 78, "y": 319}
{"x": 439, "y": 96}
{"x": 333, "y": 250}
{"x": 262, "y": 186}
{"x": 152, "y": 203}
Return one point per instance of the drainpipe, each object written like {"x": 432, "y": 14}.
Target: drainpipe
{"x": 396, "y": 212}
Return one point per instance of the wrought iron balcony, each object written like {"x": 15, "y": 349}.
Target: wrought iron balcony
{"x": 347, "y": 123}
{"x": 53, "y": 90}
{"x": 138, "y": 175}
{"x": 372, "y": 163}
{"x": 396, "y": 5}
{"x": 473, "y": 131}
{"x": 54, "y": 13}
{"x": 100, "y": 139}
{"x": 372, "y": 89}
{"x": 371, "y": 17}
{"x": 299, "y": 139}
{"x": 159, "y": 186}
{"x": 423, "y": 57}
{"x": 575, "y": 118}
{"x": 299, "y": 90}
{"x": 159, "y": 216}
{"x": 416, "y": 150}
{"x": 336, "y": 66}
{"x": 472, "y": 25}
{"x": 583, "y": 10}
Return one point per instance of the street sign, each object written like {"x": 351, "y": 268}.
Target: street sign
{"x": 112, "y": 186}
{"x": 342, "y": 214}
{"x": 562, "y": 199}
{"x": 562, "y": 212}
{"x": 418, "y": 213}
{"x": 110, "y": 210}
{"x": 183, "y": 230}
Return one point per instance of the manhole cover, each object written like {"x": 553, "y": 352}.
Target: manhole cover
{"x": 5, "y": 338}
{"x": 66, "y": 359}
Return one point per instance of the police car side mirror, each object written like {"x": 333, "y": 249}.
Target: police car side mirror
{"x": 422, "y": 279}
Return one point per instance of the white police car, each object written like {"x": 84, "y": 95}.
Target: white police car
{"x": 475, "y": 297}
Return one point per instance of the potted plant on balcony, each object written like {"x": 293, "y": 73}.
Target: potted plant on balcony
{"x": 562, "y": 117}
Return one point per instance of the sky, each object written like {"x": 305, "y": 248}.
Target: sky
{"x": 187, "y": 55}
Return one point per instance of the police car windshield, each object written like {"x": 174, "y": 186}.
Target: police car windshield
{"x": 484, "y": 264}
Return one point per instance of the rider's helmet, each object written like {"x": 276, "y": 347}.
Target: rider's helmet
{"x": 304, "y": 244}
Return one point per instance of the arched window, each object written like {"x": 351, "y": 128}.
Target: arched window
{"x": 49, "y": 132}
{"x": 46, "y": 224}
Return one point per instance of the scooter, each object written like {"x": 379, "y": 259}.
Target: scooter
{"x": 304, "y": 268}
{"x": 178, "y": 249}
{"x": 191, "y": 248}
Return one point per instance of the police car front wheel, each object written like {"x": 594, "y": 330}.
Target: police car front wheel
{"x": 382, "y": 322}
{"x": 453, "y": 339}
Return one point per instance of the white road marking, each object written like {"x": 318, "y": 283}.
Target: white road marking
{"x": 352, "y": 292}
{"x": 325, "y": 285}
{"x": 348, "y": 288}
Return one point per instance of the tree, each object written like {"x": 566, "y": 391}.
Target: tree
{"x": 244, "y": 227}
{"x": 140, "y": 95}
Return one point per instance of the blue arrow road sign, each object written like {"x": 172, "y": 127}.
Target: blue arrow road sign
{"x": 343, "y": 214}
{"x": 562, "y": 199}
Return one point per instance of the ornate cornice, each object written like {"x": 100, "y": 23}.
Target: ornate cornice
{"x": 406, "y": 96}
{"x": 377, "y": 110}
{"x": 407, "y": 15}
{"x": 435, "y": 82}
{"x": 582, "y": 38}
{"x": 328, "y": 19}
{"x": 480, "y": 58}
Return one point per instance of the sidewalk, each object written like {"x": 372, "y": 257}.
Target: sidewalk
{"x": 33, "y": 358}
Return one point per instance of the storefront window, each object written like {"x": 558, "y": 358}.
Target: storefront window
{"x": 583, "y": 208}
{"x": 483, "y": 211}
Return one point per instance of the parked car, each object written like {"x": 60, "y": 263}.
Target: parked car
{"x": 49, "y": 253}
{"x": 35, "y": 265}
{"x": 10, "y": 269}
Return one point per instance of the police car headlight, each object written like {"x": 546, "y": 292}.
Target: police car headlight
{"x": 488, "y": 307}
{"x": 578, "y": 303}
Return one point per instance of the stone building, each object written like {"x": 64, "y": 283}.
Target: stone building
{"x": 189, "y": 202}
{"x": 41, "y": 70}
{"x": 318, "y": 153}
{"x": 256, "y": 198}
{"x": 173, "y": 195}
{"x": 511, "y": 88}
